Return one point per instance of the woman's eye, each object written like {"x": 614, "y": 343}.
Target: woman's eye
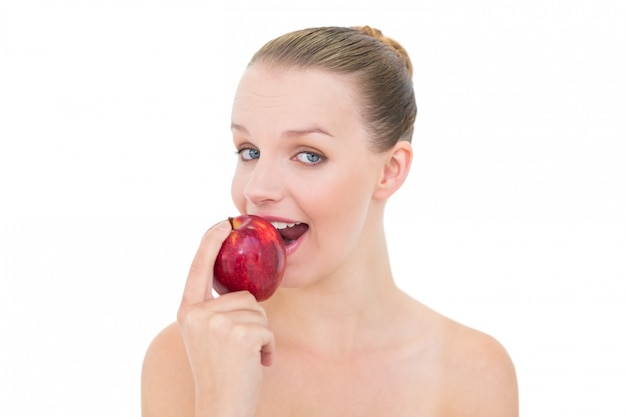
{"x": 309, "y": 158}
{"x": 248, "y": 154}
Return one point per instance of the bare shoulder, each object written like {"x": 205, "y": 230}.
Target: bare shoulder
{"x": 480, "y": 373}
{"x": 166, "y": 381}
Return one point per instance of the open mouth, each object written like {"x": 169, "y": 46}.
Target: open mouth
{"x": 290, "y": 232}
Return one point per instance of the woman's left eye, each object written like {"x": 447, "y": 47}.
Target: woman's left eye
{"x": 309, "y": 158}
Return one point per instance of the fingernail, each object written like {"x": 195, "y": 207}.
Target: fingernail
{"x": 224, "y": 225}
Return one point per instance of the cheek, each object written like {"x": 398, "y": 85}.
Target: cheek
{"x": 236, "y": 191}
{"x": 342, "y": 205}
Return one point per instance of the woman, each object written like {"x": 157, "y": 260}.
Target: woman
{"x": 322, "y": 121}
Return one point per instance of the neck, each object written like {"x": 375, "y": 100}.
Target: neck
{"x": 339, "y": 313}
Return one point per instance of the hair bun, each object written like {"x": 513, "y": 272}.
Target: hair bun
{"x": 397, "y": 48}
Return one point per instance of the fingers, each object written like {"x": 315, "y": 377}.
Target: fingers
{"x": 267, "y": 353}
{"x": 234, "y": 322}
{"x": 242, "y": 329}
{"x": 200, "y": 279}
{"x": 237, "y": 307}
{"x": 229, "y": 332}
{"x": 239, "y": 300}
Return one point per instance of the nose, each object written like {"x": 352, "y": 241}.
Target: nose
{"x": 264, "y": 183}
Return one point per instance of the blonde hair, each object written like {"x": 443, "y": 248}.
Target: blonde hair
{"x": 380, "y": 65}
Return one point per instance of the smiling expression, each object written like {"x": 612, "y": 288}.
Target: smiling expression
{"x": 304, "y": 158}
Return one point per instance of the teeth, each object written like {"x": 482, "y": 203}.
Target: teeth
{"x": 282, "y": 225}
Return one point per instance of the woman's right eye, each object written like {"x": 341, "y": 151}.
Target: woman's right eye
{"x": 248, "y": 154}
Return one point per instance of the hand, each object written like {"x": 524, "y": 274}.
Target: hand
{"x": 227, "y": 339}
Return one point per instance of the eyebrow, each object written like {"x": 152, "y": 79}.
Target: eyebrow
{"x": 291, "y": 133}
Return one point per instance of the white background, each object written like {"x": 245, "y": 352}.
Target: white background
{"x": 115, "y": 156}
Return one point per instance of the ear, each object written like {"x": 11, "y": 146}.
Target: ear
{"x": 396, "y": 169}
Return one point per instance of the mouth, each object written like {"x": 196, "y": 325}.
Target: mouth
{"x": 290, "y": 232}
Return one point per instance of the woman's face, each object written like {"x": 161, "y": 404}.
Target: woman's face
{"x": 304, "y": 160}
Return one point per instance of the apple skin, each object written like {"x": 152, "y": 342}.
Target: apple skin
{"x": 252, "y": 258}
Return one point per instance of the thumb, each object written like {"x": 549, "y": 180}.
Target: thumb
{"x": 200, "y": 279}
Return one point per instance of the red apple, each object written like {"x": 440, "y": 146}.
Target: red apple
{"x": 251, "y": 258}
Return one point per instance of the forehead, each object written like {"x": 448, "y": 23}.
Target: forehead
{"x": 294, "y": 95}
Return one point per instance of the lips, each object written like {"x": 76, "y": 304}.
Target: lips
{"x": 290, "y": 232}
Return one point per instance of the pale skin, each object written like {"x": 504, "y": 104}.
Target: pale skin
{"x": 339, "y": 338}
